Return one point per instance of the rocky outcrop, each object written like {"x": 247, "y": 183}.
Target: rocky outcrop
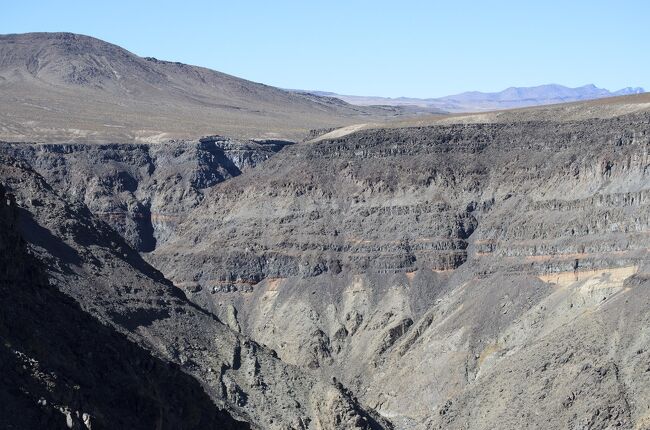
{"x": 62, "y": 368}
{"x": 143, "y": 191}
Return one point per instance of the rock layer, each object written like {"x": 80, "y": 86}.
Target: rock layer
{"x": 430, "y": 269}
{"x": 143, "y": 191}
{"x": 418, "y": 265}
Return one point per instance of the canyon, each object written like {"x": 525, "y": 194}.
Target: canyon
{"x": 442, "y": 272}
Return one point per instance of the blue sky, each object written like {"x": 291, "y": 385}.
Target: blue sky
{"x": 386, "y": 48}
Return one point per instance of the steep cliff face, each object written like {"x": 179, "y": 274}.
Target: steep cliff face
{"x": 62, "y": 368}
{"x": 389, "y": 201}
{"x": 415, "y": 264}
{"x": 90, "y": 262}
{"x": 429, "y": 269}
{"x": 143, "y": 191}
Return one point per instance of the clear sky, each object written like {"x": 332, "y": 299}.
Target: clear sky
{"x": 385, "y": 48}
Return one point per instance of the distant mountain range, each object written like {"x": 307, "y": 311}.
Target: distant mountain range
{"x": 476, "y": 101}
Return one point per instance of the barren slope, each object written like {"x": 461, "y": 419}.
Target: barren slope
{"x": 62, "y": 87}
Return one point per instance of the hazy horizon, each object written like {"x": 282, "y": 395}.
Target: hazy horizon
{"x": 466, "y": 91}
{"x": 410, "y": 49}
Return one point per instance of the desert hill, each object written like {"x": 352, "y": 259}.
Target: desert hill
{"x": 69, "y": 87}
